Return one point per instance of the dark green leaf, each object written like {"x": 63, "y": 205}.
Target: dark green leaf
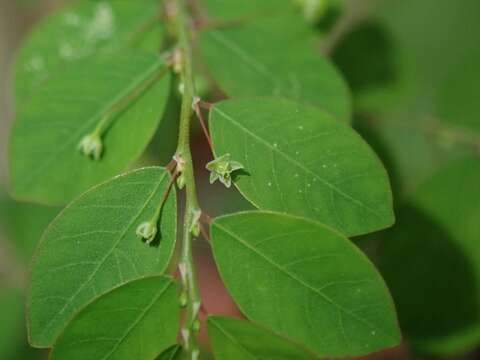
{"x": 431, "y": 261}
{"x": 235, "y": 339}
{"x": 304, "y": 281}
{"x": 78, "y": 31}
{"x": 301, "y": 161}
{"x": 92, "y": 247}
{"x": 275, "y": 56}
{"x": 46, "y": 164}
{"x": 134, "y": 321}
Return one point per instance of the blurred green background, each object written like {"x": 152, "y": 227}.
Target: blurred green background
{"x": 413, "y": 69}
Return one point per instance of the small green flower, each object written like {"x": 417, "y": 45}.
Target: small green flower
{"x": 222, "y": 168}
{"x": 91, "y": 145}
{"x": 147, "y": 231}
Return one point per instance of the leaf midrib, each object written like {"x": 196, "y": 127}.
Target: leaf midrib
{"x": 298, "y": 164}
{"x": 25, "y": 181}
{"x": 248, "y": 60}
{"x": 102, "y": 261}
{"x": 138, "y": 319}
{"x": 232, "y": 339}
{"x": 298, "y": 279}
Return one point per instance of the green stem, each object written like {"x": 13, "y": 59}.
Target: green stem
{"x": 178, "y": 14}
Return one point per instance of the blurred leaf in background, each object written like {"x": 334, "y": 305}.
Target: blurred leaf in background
{"x": 413, "y": 69}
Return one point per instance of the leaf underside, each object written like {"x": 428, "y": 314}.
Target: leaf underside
{"x": 92, "y": 247}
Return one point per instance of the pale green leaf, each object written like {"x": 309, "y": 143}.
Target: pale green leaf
{"x": 235, "y": 339}
{"x": 92, "y": 247}
{"x": 431, "y": 262}
{"x": 129, "y": 89}
{"x": 304, "y": 281}
{"x": 275, "y": 56}
{"x": 301, "y": 161}
{"x": 78, "y": 31}
{"x": 134, "y": 321}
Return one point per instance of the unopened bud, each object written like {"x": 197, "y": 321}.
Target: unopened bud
{"x": 91, "y": 145}
{"x": 147, "y": 231}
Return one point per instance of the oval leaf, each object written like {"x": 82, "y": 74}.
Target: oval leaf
{"x": 304, "y": 281}
{"x": 274, "y": 57}
{"x": 235, "y": 339}
{"x": 134, "y": 321}
{"x": 92, "y": 247}
{"x": 76, "y": 32}
{"x": 128, "y": 89}
{"x": 299, "y": 160}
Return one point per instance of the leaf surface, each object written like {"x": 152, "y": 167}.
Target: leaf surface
{"x": 301, "y": 161}
{"x": 79, "y": 31}
{"x": 222, "y": 10}
{"x": 172, "y": 353}
{"x": 92, "y": 247}
{"x": 129, "y": 89}
{"x": 304, "y": 281}
{"x": 274, "y": 57}
{"x": 134, "y": 321}
{"x": 240, "y": 340}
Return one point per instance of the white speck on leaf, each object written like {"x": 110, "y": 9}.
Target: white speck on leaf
{"x": 36, "y": 64}
{"x": 72, "y": 19}
{"x": 67, "y": 51}
{"x": 275, "y": 145}
{"x": 102, "y": 25}
{"x": 300, "y": 128}
{"x": 269, "y": 184}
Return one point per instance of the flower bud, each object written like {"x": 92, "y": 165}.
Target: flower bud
{"x": 147, "y": 231}
{"x": 181, "y": 181}
{"x": 91, "y": 145}
{"x": 183, "y": 299}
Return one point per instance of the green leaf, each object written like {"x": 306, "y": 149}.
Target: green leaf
{"x": 172, "y": 353}
{"x": 275, "y": 56}
{"x": 134, "y": 321}
{"x": 23, "y": 224}
{"x": 304, "y": 281}
{"x": 299, "y": 160}
{"x": 235, "y": 339}
{"x": 431, "y": 262}
{"x": 225, "y": 11}
{"x": 84, "y": 29}
{"x": 46, "y": 165}
{"x": 92, "y": 247}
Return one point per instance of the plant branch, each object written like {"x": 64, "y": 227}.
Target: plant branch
{"x": 178, "y": 17}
